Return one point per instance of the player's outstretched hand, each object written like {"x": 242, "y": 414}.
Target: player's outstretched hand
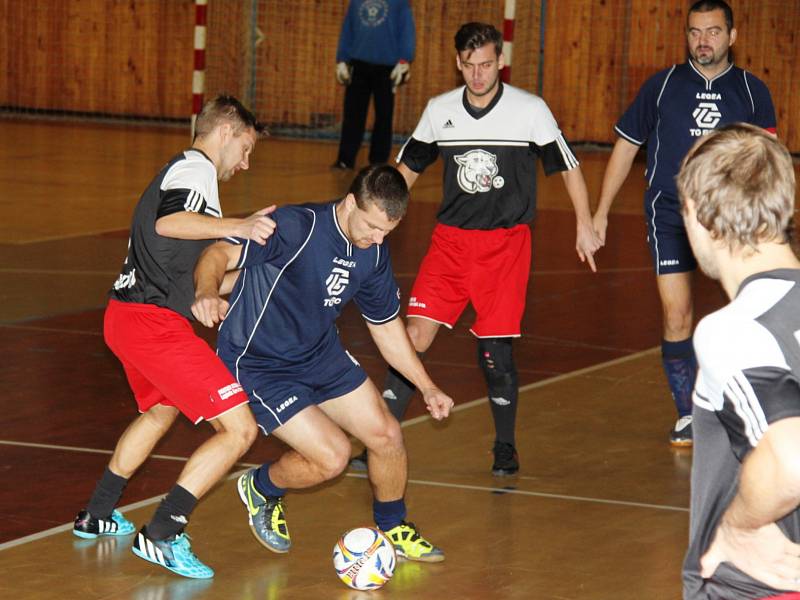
{"x": 209, "y": 309}
{"x": 765, "y": 554}
{"x": 258, "y": 226}
{"x": 438, "y": 403}
{"x": 587, "y": 243}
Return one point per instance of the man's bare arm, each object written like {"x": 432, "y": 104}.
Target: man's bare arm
{"x": 193, "y": 226}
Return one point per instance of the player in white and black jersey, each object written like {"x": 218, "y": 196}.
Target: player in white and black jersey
{"x": 169, "y": 368}
{"x": 489, "y": 136}
{"x": 737, "y": 189}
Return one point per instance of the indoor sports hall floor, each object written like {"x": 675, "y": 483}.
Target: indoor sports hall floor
{"x": 598, "y": 511}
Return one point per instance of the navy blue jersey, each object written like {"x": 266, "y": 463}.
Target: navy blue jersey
{"x": 285, "y": 302}
{"x": 678, "y": 105}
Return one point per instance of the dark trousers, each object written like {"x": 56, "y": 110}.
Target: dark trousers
{"x": 368, "y": 79}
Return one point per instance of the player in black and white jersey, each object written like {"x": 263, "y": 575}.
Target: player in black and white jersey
{"x": 169, "y": 368}
{"x": 672, "y": 109}
{"x": 737, "y": 189}
{"x": 489, "y": 136}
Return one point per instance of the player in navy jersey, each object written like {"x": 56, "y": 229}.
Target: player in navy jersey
{"x": 737, "y": 187}
{"x": 489, "y": 136}
{"x": 674, "y": 108}
{"x": 279, "y": 338}
{"x": 169, "y": 368}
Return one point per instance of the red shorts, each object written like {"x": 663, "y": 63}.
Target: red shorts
{"x": 166, "y": 363}
{"x": 490, "y": 269}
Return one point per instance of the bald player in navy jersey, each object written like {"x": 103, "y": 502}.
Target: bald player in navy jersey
{"x": 279, "y": 338}
{"x": 673, "y": 108}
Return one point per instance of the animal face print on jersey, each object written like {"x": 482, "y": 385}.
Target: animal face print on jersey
{"x": 477, "y": 170}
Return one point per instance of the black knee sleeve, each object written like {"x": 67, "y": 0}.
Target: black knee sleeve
{"x": 496, "y": 360}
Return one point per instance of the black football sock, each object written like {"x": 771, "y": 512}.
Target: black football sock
{"x": 172, "y": 515}
{"x": 106, "y": 495}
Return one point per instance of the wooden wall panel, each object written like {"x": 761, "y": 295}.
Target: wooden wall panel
{"x": 434, "y": 70}
{"x": 768, "y": 46}
{"x": 111, "y": 57}
{"x": 295, "y": 63}
{"x": 527, "y": 39}
{"x": 597, "y": 54}
{"x": 134, "y": 57}
{"x": 229, "y": 53}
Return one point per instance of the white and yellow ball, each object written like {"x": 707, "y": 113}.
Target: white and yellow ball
{"x": 364, "y": 558}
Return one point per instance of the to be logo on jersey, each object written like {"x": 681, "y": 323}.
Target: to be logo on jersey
{"x": 477, "y": 171}
{"x": 707, "y": 116}
{"x": 335, "y": 284}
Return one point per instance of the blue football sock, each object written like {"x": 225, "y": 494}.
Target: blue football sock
{"x": 264, "y": 483}
{"x": 680, "y": 367}
{"x": 388, "y": 514}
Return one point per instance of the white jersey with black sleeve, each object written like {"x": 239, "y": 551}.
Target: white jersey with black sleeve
{"x": 159, "y": 270}
{"x": 489, "y": 155}
{"x": 749, "y": 378}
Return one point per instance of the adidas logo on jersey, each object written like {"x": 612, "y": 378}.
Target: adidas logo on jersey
{"x": 448, "y": 124}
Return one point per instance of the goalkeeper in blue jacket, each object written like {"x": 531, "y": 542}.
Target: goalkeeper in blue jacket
{"x": 376, "y": 46}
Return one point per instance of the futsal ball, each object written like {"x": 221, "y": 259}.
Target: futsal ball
{"x": 364, "y": 558}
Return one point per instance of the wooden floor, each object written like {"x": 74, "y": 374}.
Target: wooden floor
{"x": 598, "y": 511}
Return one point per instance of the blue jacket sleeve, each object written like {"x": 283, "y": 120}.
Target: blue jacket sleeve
{"x": 408, "y": 33}
{"x": 345, "y": 37}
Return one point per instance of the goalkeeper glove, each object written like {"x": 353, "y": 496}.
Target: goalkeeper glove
{"x": 399, "y": 75}
{"x": 343, "y": 73}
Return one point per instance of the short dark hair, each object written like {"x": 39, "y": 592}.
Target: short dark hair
{"x": 384, "y": 186}
{"x": 709, "y": 5}
{"x": 226, "y": 108}
{"x": 474, "y": 35}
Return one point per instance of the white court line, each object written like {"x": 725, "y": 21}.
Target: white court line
{"x": 408, "y": 423}
{"x": 80, "y": 449}
{"x": 506, "y": 490}
{"x": 543, "y": 382}
{"x": 94, "y": 333}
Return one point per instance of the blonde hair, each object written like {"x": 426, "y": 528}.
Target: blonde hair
{"x": 226, "y": 109}
{"x": 742, "y": 183}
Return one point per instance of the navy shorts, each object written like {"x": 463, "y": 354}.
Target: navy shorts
{"x": 276, "y": 395}
{"x": 666, "y": 234}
